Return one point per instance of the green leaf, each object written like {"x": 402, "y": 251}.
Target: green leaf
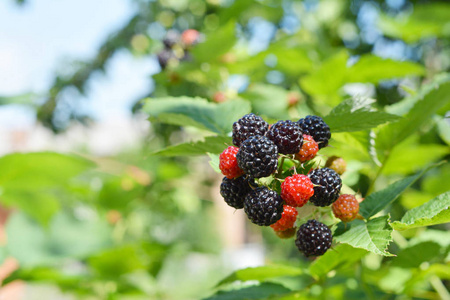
{"x": 371, "y": 68}
{"x": 435, "y": 211}
{"x": 268, "y": 100}
{"x": 443, "y": 127}
{"x": 118, "y": 261}
{"x": 350, "y": 146}
{"x": 342, "y": 255}
{"x": 217, "y": 43}
{"x": 37, "y": 182}
{"x": 426, "y": 21}
{"x": 66, "y": 237}
{"x": 214, "y": 162}
{"x": 373, "y": 235}
{"x": 391, "y": 135}
{"x": 261, "y": 291}
{"x": 211, "y": 144}
{"x": 375, "y": 202}
{"x": 196, "y": 112}
{"x": 24, "y": 99}
{"x": 355, "y": 115}
{"x": 114, "y": 262}
{"x": 408, "y": 158}
{"x": 40, "y": 169}
{"x": 328, "y": 78}
{"x": 261, "y": 273}
{"x": 414, "y": 256}
{"x": 334, "y": 73}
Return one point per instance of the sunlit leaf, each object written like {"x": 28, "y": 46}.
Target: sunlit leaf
{"x": 216, "y": 44}
{"x": 260, "y": 291}
{"x": 420, "y": 114}
{"x": 426, "y": 21}
{"x": 268, "y": 100}
{"x": 211, "y": 144}
{"x": 407, "y": 158}
{"x": 414, "y": 256}
{"x": 196, "y": 112}
{"x": 36, "y": 182}
{"x": 340, "y": 256}
{"x": 375, "y": 202}
{"x": 261, "y": 273}
{"x": 373, "y": 235}
{"x": 66, "y": 237}
{"x": 355, "y": 115}
{"x": 214, "y": 162}
{"x": 371, "y": 68}
{"x": 435, "y": 211}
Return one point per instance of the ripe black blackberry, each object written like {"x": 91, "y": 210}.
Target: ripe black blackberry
{"x": 248, "y": 126}
{"x": 258, "y": 156}
{"x": 234, "y": 191}
{"x": 287, "y": 135}
{"x": 317, "y": 128}
{"x": 327, "y": 186}
{"x": 263, "y": 207}
{"x": 164, "y": 57}
{"x": 171, "y": 39}
{"x": 313, "y": 238}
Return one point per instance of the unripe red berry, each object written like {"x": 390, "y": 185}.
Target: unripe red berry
{"x": 309, "y": 149}
{"x": 346, "y": 207}
{"x": 228, "y": 163}
{"x": 296, "y": 190}
{"x": 288, "y": 218}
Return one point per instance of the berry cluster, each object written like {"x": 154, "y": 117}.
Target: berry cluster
{"x": 176, "y": 46}
{"x": 282, "y": 153}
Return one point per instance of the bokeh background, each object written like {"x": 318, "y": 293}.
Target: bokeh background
{"x": 88, "y": 212}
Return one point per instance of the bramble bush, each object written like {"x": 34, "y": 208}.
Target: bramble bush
{"x": 123, "y": 227}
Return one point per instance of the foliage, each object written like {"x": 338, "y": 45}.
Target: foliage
{"x": 141, "y": 224}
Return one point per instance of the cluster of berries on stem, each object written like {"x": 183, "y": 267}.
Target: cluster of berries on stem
{"x": 177, "y": 46}
{"x": 284, "y": 155}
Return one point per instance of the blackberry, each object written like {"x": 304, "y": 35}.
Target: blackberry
{"x": 248, "y": 126}
{"x": 258, "y": 156}
{"x": 327, "y": 186}
{"x": 317, "y": 128}
{"x": 234, "y": 191}
{"x": 313, "y": 238}
{"x": 263, "y": 207}
{"x": 171, "y": 39}
{"x": 287, "y": 135}
{"x": 164, "y": 58}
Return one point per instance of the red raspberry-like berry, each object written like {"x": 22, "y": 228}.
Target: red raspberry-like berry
{"x": 285, "y": 234}
{"x": 346, "y": 208}
{"x": 228, "y": 163}
{"x": 296, "y": 190}
{"x": 190, "y": 37}
{"x": 308, "y": 150}
{"x": 287, "y": 220}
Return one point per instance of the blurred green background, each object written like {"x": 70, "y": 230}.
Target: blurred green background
{"x": 95, "y": 206}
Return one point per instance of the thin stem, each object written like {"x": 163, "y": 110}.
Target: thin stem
{"x": 368, "y": 291}
{"x": 280, "y": 167}
{"x": 439, "y": 287}
{"x": 383, "y": 164}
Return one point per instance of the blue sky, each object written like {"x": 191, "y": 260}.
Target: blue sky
{"x": 40, "y": 37}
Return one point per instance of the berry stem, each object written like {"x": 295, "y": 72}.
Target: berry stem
{"x": 280, "y": 168}
{"x": 372, "y": 184}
